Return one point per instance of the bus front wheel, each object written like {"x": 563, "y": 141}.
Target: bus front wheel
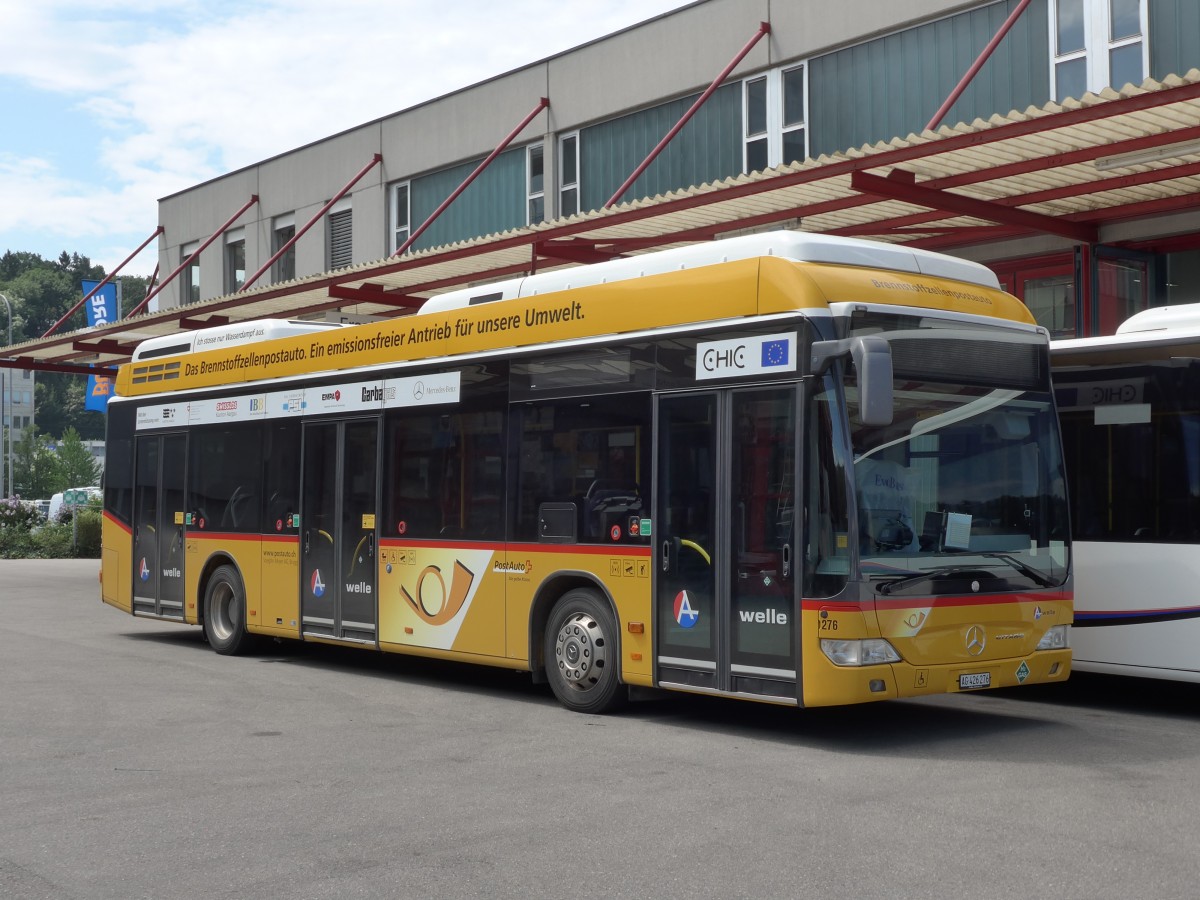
{"x": 225, "y": 612}
{"x": 581, "y": 653}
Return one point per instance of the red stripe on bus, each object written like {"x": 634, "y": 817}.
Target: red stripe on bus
{"x": 113, "y": 520}
{"x": 597, "y": 549}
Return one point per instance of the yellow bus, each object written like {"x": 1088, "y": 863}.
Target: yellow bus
{"x": 783, "y": 467}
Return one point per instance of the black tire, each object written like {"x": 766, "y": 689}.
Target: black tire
{"x": 225, "y": 613}
{"x": 582, "y": 653}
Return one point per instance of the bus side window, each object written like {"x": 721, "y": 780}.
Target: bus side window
{"x": 281, "y": 477}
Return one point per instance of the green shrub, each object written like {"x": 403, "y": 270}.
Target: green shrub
{"x": 88, "y": 534}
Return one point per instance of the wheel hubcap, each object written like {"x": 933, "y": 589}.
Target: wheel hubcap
{"x": 579, "y": 651}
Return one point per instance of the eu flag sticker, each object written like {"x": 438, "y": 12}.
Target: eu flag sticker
{"x": 775, "y": 353}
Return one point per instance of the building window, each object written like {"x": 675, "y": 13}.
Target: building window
{"x": 283, "y": 231}
{"x": 568, "y": 175}
{"x": 401, "y": 215}
{"x": 235, "y": 260}
{"x": 774, "y": 117}
{"x": 535, "y": 170}
{"x": 1097, "y": 44}
{"x": 341, "y": 244}
{"x": 189, "y": 281}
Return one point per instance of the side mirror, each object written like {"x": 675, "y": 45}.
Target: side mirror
{"x": 872, "y": 357}
{"x": 873, "y": 361}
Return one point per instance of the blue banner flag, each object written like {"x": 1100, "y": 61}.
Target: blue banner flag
{"x": 101, "y": 309}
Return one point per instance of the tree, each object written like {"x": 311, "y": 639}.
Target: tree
{"x": 39, "y": 296}
{"x": 37, "y": 472}
{"x": 79, "y": 467}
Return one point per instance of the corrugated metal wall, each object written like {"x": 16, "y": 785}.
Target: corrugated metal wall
{"x": 1174, "y": 37}
{"x": 708, "y": 148}
{"x": 892, "y": 86}
{"x": 494, "y": 202}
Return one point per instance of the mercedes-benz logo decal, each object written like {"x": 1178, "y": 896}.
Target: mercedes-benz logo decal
{"x": 418, "y": 390}
{"x": 976, "y": 640}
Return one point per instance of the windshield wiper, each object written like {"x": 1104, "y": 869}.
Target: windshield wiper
{"x": 888, "y": 586}
{"x": 1034, "y": 575}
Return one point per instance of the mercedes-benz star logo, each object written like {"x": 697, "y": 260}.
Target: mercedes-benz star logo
{"x": 418, "y": 390}
{"x": 976, "y": 640}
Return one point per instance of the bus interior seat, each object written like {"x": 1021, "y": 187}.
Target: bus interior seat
{"x": 606, "y": 499}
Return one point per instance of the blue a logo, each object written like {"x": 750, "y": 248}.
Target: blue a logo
{"x": 318, "y": 586}
{"x": 144, "y": 570}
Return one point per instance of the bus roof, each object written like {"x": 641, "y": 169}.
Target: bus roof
{"x": 1158, "y": 334}
{"x": 790, "y": 245}
{"x": 783, "y": 273}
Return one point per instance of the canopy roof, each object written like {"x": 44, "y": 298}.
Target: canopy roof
{"x": 1062, "y": 169}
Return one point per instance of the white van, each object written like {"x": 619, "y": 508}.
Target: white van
{"x": 56, "y": 502}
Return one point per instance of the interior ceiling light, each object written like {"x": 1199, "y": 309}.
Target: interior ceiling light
{"x": 1151, "y": 155}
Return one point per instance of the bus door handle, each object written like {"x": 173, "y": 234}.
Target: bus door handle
{"x": 371, "y": 545}
{"x": 785, "y": 561}
{"x": 666, "y": 555}
{"x": 307, "y": 540}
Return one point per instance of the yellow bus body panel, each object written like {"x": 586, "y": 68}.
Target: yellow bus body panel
{"x": 932, "y": 633}
{"x": 723, "y": 291}
{"x": 116, "y": 567}
{"x": 468, "y": 600}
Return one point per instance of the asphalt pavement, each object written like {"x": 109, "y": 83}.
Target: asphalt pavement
{"x": 137, "y": 763}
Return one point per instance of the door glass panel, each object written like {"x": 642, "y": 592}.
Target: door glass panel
{"x": 145, "y": 520}
{"x": 171, "y": 517}
{"x": 1052, "y": 302}
{"x": 318, "y": 527}
{"x": 1121, "y": 291}
{"x": 357, "y": 535}
{"x": 686, "y": 527}
{"x": 763, "y": 466}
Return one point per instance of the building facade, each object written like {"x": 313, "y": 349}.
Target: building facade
{"x": 819, "y": 79}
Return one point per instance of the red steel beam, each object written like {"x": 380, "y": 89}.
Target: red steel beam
{"x": 764, "y": 28}
{"x": 375, "y": 160}
{"x": 37, "y": 365}
{"x": 891, "y": 188}
{"x": 187, "y": 262}
{"x": 542, "y": 104}
{"x": 88, "y": 296}
{"x": 976, "y": 66}
{"x": 373, "y": 293}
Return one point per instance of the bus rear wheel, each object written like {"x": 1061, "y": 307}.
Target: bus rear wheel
{"x": 581, "y": 653}
{"x": 225, "y": 613}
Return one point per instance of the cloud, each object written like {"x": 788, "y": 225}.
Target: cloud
{"x": 171, "y": 93}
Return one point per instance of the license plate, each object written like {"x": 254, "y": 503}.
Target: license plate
{"x": 973, "y": 681}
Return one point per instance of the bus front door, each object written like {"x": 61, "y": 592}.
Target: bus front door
{"x": 727, "y": 603}
{"x": 337, "y": 530}
{"x": 158, "y": 525}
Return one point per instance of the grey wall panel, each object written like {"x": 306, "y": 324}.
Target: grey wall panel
{"x": 494, "y": 202}
{"x": 708, "y": 148}
{"x": 893, "y": 85}
{"x": 1174, "y": 37}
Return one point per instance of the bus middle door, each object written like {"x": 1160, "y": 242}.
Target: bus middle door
{"x": 339, "y": 497}
{"x": 725, "y": 592}
{"x": 159, "y": 539}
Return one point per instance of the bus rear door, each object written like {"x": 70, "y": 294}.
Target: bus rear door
{"x": 337, "y": 530}
{"x": 158, "y": 525}
{"x": 725, "y": 588}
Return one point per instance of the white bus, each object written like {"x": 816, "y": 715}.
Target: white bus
{"x": 1129, "y": 407}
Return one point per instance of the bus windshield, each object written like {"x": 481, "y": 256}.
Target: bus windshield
{"x": 964, "y": 491}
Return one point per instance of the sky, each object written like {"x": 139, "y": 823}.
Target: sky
{"x": 108, "y": 105}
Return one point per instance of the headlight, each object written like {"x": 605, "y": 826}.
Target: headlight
{"x": 869, "y": 652}
{"x": 1057, "y": 637}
